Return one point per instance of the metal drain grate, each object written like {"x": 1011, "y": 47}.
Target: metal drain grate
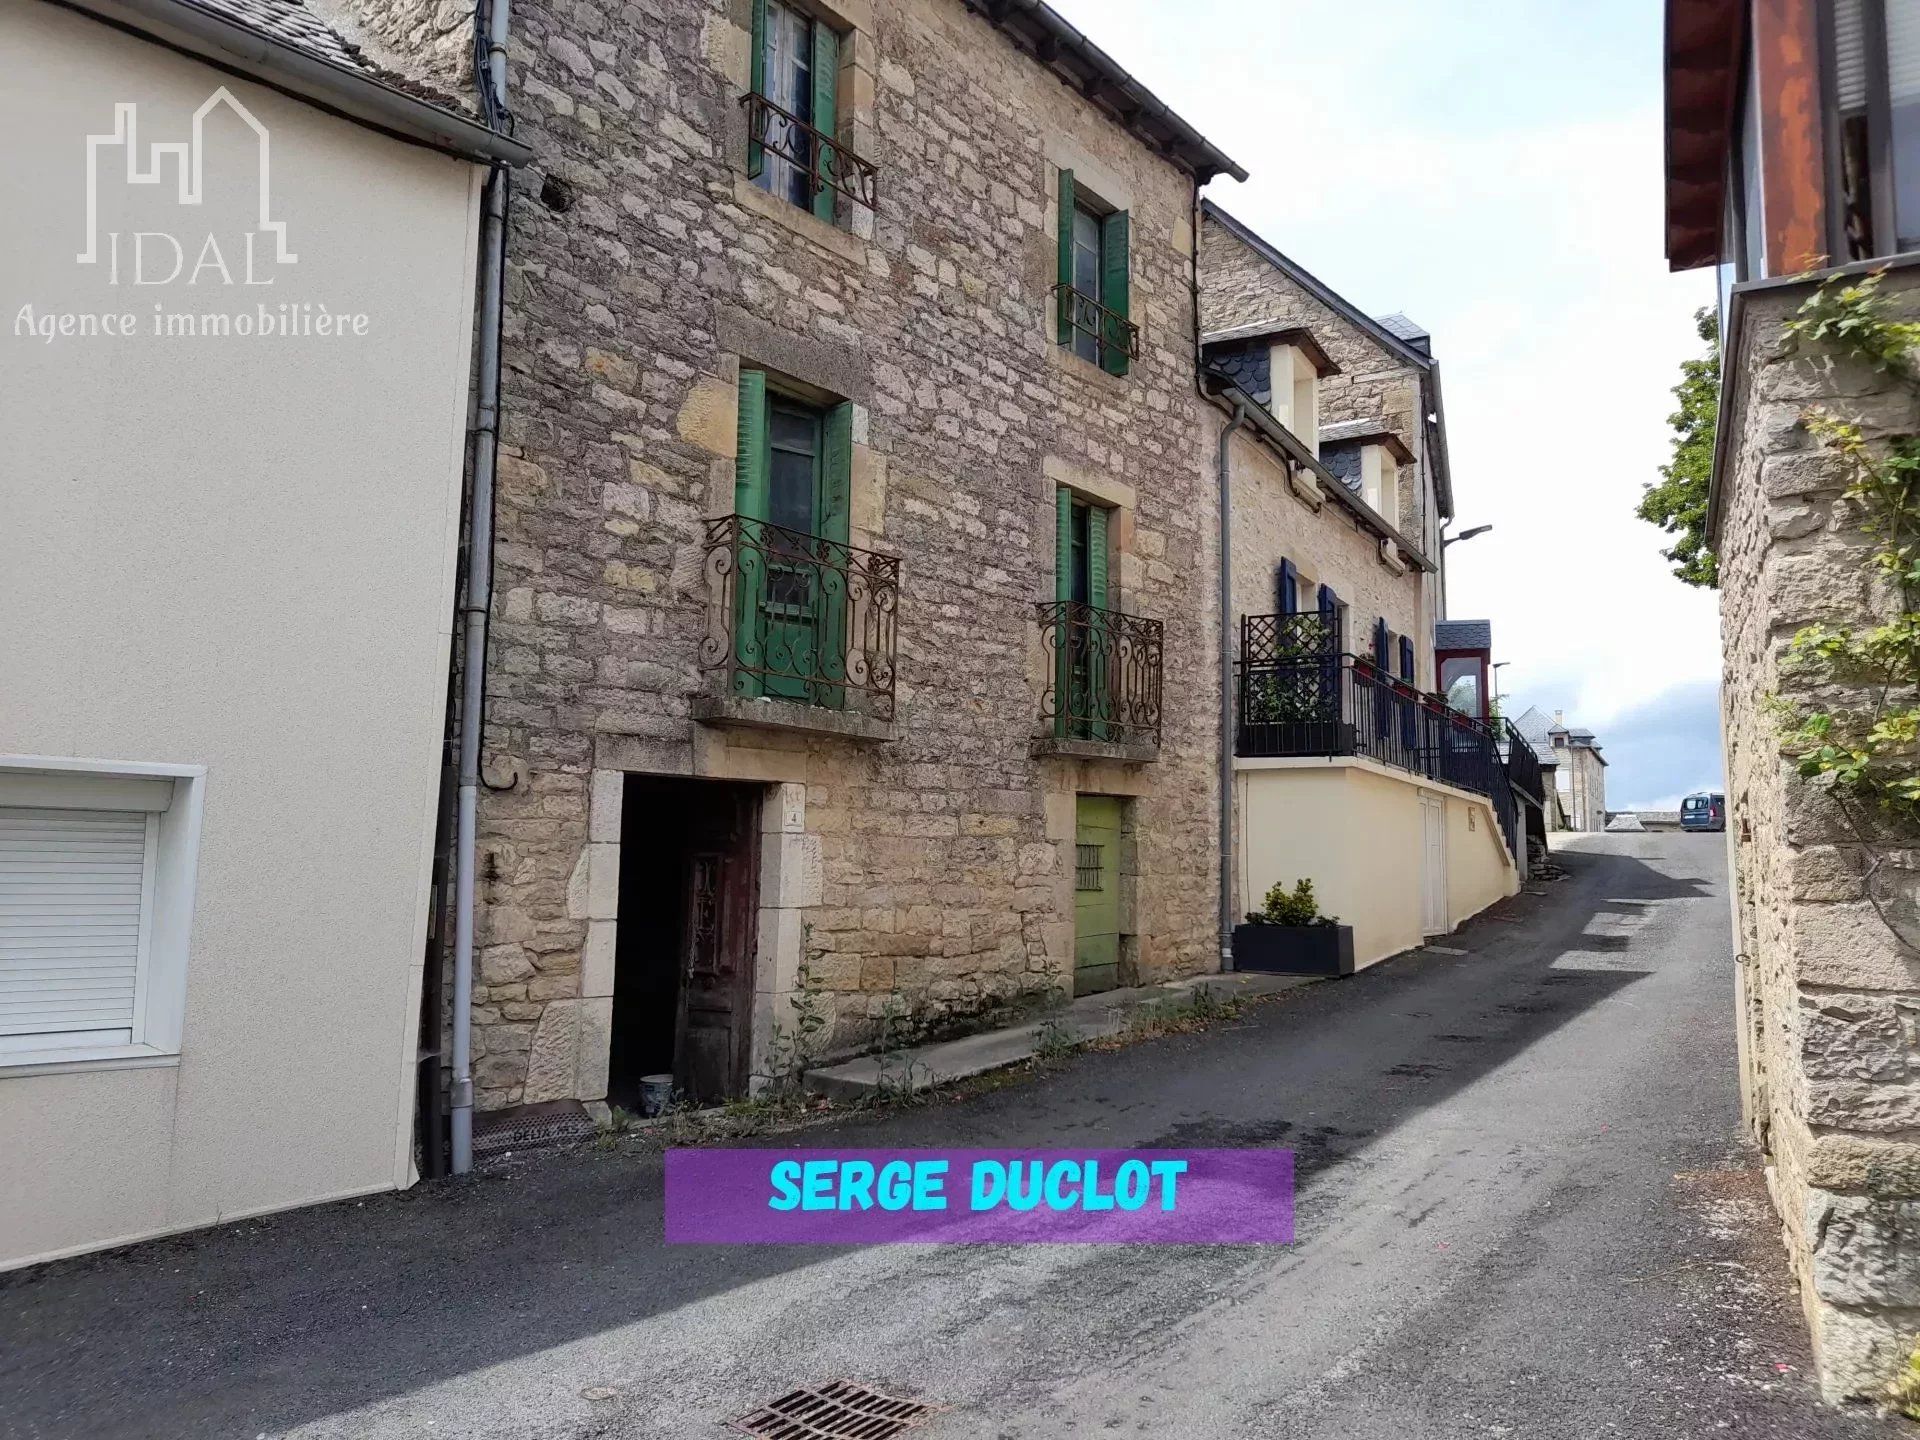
{"x": 838, "y": 1410}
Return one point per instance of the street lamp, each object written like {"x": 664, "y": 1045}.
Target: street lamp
{"x": 1498, "y": 666}
{"x": 1464, "y": 535}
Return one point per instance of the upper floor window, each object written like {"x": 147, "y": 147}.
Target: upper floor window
{"x": 793, "y": 131}
{"x": 1296, "y": 394}
{"x": 1380, "y": 481}
{"x": 1092, "y": 283}
{"x": 1872, "y": 65}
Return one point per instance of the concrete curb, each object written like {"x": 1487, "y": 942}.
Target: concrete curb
{"x": 1091, "y": 1017}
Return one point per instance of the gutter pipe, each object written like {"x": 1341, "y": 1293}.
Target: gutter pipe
{"x": 1226, "y": 684}
{"x": 490, "y": 43}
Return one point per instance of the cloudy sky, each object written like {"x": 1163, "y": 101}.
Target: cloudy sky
{"x": 1493, "y": 170}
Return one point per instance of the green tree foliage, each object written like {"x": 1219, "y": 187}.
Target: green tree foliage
{"x": 1678, "y": 504}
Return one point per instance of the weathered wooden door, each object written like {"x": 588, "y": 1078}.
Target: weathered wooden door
{"x": 1096, "y": 910}
{"x": 720, "y": 890}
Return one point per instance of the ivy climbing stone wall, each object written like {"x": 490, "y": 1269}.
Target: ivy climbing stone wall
{"x": 1829, "y": 981}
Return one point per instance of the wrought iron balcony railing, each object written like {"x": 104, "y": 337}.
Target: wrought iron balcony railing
{"x": 1326, "y": 702}
{"x": 1083, "y": 315}
{"x": 1103, "y": 674}
{"x": 1522, "y": 760}
{"x": 824, "y": 163}
{"x": 797, "y": 617}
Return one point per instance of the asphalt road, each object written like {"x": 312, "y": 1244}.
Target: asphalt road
{"x": 1524, "y": 1211}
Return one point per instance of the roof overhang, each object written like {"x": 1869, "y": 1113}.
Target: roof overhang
{"x": 238, "y": 49}
{"x": 1394, "y": 445}
{"x": 1083, "y": 66}
{"x": 1703, "y": 44}
{"x": 1221, "y": 390}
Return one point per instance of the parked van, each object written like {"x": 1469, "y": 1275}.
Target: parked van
{"x": 1704, "y": 811}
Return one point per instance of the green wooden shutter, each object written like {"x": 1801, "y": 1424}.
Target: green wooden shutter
{"x": 1100, "y": 673}
{"x": 1064, "y": 307}
{"x": 832, "y": 610}
{"x": 826, "y": 82}
{"x": 749, "y": 560}
{"x": 1097, "y": 556}
{"x": 1063, "y": 544}
{"x": 1063, "y": 592}
{"x": 757, "y": 83}
{"x": 1113, "y": 291}
{"x": 750, "y": 458}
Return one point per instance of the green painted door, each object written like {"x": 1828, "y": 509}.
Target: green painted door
{"x": 1096, "y": 907}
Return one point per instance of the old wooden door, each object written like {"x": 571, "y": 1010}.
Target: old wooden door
{"x": 712, "y": 1031}
{"x": 1096, "y": 909}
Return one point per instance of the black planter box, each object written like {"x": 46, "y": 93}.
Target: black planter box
{"x": 1293, "y": 949}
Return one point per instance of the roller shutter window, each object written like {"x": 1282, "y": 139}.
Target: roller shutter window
{"x": 76, "y": 907}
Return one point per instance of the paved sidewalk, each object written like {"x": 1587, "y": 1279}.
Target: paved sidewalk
{"x": 1090, "y": 1017}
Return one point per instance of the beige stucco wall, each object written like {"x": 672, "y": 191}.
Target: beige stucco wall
{"x": 237, "y": 554}
{"x": 1355, "y": 829}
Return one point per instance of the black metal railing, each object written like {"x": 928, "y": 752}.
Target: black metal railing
{"x": 1103, "y": 674}
{"x": 1332, "y": 703}
{"x": 1522, "y": 761}
{"x": 824, "y": 162}
{"x": 1081, "y": 314}
{"x": 796, "y": 617}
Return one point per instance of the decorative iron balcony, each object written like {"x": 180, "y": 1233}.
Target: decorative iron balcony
{"x": 1522, "y": 760}
{"x": 1301, "y": 696}
{"x": 1103, "y": 674}
{"x": 795, "y": 617}
{"x": 825, "y": 162}
{"x": 1083, "y": 315}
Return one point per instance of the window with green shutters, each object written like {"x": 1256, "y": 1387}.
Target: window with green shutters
{"x": 792, "y": 145}
{"x": 1081, "y": 564}
{"x": 1092, "y": 289}
{"x": 793, "y": 496}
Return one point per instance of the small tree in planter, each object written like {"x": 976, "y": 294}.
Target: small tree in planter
{"x": 1288, "y": 935}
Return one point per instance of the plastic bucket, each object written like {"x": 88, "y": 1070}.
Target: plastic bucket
{"x": 656, "y": 1093}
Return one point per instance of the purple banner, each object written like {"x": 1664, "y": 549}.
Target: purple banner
{"x": 979, "y": 1197}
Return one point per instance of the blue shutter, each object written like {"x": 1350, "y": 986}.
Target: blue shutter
{"x": 1330, "y": 616}
{"x": 1330, "y": 646}
{"x": 1286, "y": 588}
{"x": 1382, "y": 691}
{"x": 1408, "y": 707}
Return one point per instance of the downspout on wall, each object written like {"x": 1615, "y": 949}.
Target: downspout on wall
{"x": 490, "y": 74}
{"x": 1225, "y": 461}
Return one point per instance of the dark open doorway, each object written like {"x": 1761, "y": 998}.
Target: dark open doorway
{"x": 683, "y": 963}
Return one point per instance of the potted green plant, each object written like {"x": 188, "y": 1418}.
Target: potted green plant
{"x": 1288, "y": 935}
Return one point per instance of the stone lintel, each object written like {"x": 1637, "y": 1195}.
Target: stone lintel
{"x": 764, "y": 714}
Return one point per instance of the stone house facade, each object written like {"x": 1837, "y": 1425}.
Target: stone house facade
{"x": 1778, "y": 174}
{"x": 764, "y": 781}
{"x": 1338, "y": 485}
{"x": 1579, "y": 773}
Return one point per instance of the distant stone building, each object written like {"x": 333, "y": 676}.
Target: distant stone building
{"x": 1788, "y": 151}
{"x": 1576, "y": 767}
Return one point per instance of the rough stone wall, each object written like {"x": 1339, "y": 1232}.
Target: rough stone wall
{"x": 430, "y": 41}
{"x": 932, "y": 872}
{"x": 1239, "y": 286}
{"x": 1830, "y": 996}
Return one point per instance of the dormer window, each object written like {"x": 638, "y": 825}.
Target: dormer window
{"x": 1380, "y": 480}
{"x": 1296, "y": 394}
